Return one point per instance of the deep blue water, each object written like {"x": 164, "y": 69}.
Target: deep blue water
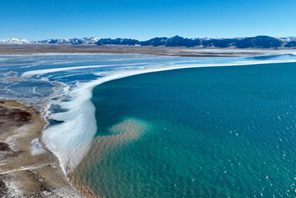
{"x": 206, "y": 132}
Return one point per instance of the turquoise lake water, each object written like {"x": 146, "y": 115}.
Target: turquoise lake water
{"x": 206, "y": 132}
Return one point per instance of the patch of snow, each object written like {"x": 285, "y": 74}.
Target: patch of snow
{"x": 36, "y": 147}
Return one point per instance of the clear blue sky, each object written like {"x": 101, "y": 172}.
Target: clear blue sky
{"x": 143, "y": 19}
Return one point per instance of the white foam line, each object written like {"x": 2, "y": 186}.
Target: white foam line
{"x": 70, "y": 141}
{"x": 122, "y": 74}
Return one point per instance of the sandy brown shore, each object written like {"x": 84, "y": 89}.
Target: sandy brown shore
{"x": 168, "y": 51}
{"x": 26, "y": 168}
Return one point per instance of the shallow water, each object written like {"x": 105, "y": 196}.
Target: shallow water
{"x": 206, "y": 132}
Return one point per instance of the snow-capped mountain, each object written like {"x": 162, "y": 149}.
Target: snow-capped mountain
{"x": 176, "y": 41}
{"x": 14, "y": 41}
{"x": 288, "y": 39}
{"x": 72, "y": 41}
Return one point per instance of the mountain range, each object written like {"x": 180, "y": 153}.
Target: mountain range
{"x": 176, "y": 41}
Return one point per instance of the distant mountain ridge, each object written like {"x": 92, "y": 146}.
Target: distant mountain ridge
{"x": 176, "y": 41}
{"x": 14, "y": 41}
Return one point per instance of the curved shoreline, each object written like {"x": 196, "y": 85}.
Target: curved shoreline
{"x": 207, "y": 96}
{"x": 83, "y": 94}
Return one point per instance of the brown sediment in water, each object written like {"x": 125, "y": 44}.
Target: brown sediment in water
{"x": 127, "y": 130}
{"x": 84, "y": 190}
{"x": 26, "y": 168}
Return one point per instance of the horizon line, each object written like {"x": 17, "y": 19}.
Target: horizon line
{"x": 237, "y": 37}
